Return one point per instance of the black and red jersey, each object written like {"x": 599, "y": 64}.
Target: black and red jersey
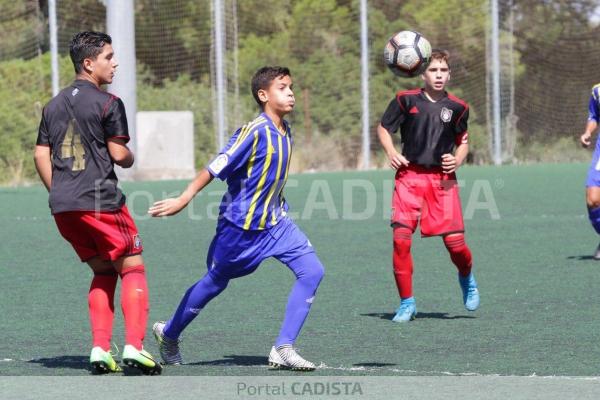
{"x": 428, "y": 129}
{"x": 76, "y": 124}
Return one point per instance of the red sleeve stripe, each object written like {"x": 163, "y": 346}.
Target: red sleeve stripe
{"x": 126, "y": 138}
{"x": 457, "y": 100}
{"x": 461, "y": 115}
{"x": 107, "y": 104}
{"x": 462, "y": 138}
{"x": 406, "y": 93}
{"x": 462, "y": 103}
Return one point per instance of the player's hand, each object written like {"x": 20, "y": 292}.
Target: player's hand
{"x": 397, "y": 160}
{"x": 586, "y": 139}
{"x": 164, "y": 208}
{"x": 449, "y": 164}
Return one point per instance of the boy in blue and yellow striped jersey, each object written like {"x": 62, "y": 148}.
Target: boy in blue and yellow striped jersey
{"x": 253, "y": 224}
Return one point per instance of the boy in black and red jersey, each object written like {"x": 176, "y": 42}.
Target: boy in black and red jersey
{"x": 433, "y": 128}
{"x": 82, "y": 134}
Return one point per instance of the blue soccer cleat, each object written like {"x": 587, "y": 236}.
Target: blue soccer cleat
{"x": 407, "y": 310}
{"x": 470, "y": 291}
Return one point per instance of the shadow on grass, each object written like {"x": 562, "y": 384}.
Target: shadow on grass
{"x": 80, "y": 363}
{"x": 73, "y": 362}
{"x": 373, "y": 364}
{"x": 582, "y": 258}
{"x": 235, "y": 360}
{"x": 420, "y": 315}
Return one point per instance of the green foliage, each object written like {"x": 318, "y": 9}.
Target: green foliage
{"x": 24, "y": 91}
{"x": 18, "y": 29}
{"x": 319, "y": 41}
{"x": 564, "y": 149}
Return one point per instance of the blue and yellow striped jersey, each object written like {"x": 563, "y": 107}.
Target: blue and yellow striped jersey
{"x": 255, "y": 162}
{"x": 594, "y": 106}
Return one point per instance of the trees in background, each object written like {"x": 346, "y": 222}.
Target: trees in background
{"x": 554, "y": 46}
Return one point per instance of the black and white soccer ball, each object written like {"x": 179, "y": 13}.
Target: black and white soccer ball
{"x": 407, "y": 53}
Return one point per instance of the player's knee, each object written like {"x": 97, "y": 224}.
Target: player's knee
{"x": 593, "y": 200}
{"x": 455, "y": 240}
{"x": 216, "y": 281}
{"x": 313, "y": 272}
{"x": 136, "y": 269}
{"x": 317, "y": 272}
{"x": 402, "y": 241}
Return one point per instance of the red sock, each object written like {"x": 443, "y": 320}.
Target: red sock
{"x": 134, "y": 302}
{"x": 102, "y": 309}
{"x": 459, "y": 253}
{"x": 402, "y": 260}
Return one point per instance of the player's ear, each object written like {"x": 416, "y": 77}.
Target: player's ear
{"x": 262, "y": 95}
{"x": 88, "y": 65}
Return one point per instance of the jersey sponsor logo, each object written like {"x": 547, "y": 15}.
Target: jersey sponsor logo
{"x": 413, "y": 110}
{"x": 446, "y": 114}
{"x": 219, "y": 163}
{"x": 137, "y": 241}
{"x": 74, "y": 92}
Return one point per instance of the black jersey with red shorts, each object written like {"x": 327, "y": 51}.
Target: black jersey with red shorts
{"x": 88, "y": 206}
{"x": 76, "y": 125}
{"x": 423, "y": 192}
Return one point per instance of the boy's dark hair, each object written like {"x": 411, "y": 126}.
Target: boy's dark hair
{"x": 441, "y": 54}
{"x": 263, "y": 77}
{"x": 86, "y": 44}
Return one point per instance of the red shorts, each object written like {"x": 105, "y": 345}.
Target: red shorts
{"x": 429, "y": 195}
{"x": 109, "y": 235}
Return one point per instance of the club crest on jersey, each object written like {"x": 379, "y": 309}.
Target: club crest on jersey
{"x": 137, "y": 241}
{"x": 446, "y": 114}
{"x": 219, "y": 163}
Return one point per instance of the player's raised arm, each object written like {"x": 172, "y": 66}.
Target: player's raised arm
{"x": 166, "y": 207}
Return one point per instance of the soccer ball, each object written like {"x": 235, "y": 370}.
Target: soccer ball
{"x": 407, "y": 53}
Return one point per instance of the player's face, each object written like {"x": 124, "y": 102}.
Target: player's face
{"x": 104, "y": 66}
{"x": 280, "y": 96}
{"x": 437, "y": 75}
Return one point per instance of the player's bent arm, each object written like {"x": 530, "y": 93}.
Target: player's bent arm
{"x": 461, "y": 154}
{"x": 451, "y": 162}
{"x": 120, "y": 153}
{"x": 586, "y": 138}
{"x": 43, "y": 164}
{"x": 168, "y": 207}
{"x": 385, "y": 138}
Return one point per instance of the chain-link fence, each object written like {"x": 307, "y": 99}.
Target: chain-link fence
{"x": 548, "y": 54}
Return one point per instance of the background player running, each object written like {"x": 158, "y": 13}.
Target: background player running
{"x": 253, "y": 224}
{"x": 593, "y": 178}
{"x": 432, "y": 123}
{"x": 83, "y": 131}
